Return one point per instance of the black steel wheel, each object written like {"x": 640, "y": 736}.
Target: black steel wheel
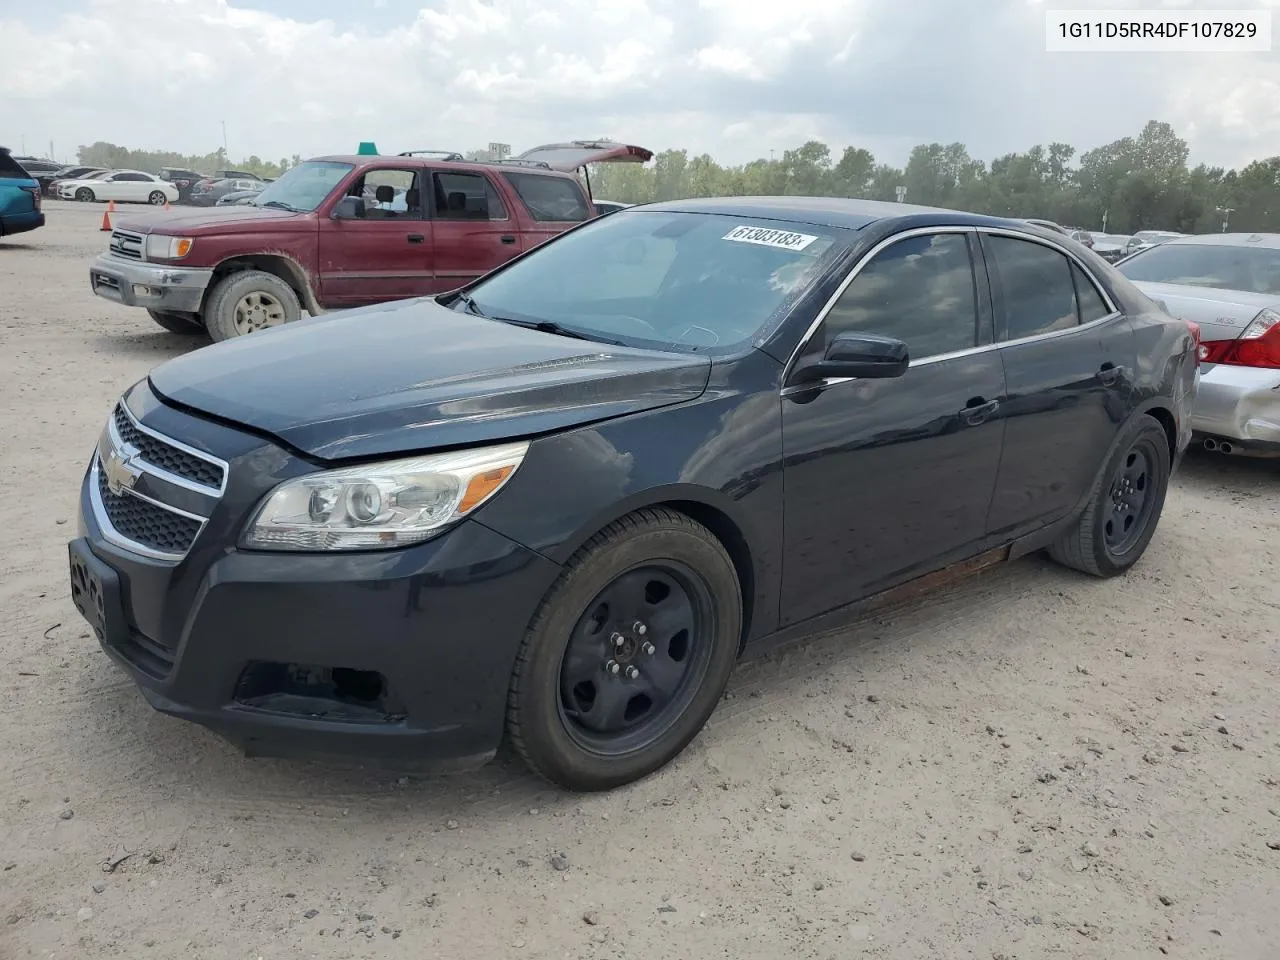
{"x": 1122, "y": 513}
{"x": 628, "y": 654}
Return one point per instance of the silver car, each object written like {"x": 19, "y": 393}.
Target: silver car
{"x": 1228, "y": 284}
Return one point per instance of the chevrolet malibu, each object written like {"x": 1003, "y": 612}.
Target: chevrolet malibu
{"x": 558, "y": 505}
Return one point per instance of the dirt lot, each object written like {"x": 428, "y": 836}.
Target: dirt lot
{"x": 1031, "y": 764}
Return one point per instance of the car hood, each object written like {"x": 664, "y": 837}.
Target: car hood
{"x": 1220, "y": 314}
{"x": 412, "y": 375}
{"x": 207, "y": 219}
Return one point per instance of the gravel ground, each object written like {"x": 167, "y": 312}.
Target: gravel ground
{"x": 1030, "y": 764}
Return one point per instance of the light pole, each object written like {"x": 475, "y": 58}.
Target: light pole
{"x": 224, "y": 141}
{"x": 1226, "y": 216}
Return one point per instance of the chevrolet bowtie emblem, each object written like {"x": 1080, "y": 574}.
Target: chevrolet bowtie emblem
{"x": 120, "y": 472}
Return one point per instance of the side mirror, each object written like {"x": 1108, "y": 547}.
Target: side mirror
{"x": 857, "y": 355}
{"x": 348, "y": 208}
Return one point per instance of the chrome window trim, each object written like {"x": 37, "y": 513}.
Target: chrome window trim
{"x": 111, "y": 535}
{"x": 177, "y": 445}
{"x": 788, "y": 369}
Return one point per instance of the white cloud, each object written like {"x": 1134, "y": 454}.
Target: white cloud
{"x": 735, "y": 78}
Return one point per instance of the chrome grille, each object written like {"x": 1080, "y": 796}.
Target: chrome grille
{"x": 126, "y": 244}
{"x": 147, "y": 523}
{"x": 164, "y": 455}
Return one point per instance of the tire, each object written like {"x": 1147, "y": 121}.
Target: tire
{"x": 185, "y": 324}
{"x": 231, "y": 310}
{"x": 640, "y": 548}
{"x": 156, "y": 198}
{"x": 1100, "y": 544}
{"x": 85, "y": 195}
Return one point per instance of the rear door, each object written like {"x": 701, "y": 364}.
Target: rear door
{"x": 384, "y": 255}
{"x": 1069, "y": 360}
{"x": 474, "y": 230}
{"x": 553, "y": 204}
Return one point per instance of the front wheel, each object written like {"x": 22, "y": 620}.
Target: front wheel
{"x": 185, "y": 324}
{"x": 84, "y": 195}
{"x": 1121, "y": 517}
{"x": 249, "y": 301}
{"x": 628, "y": 654}
{"x": 157, "y": 198}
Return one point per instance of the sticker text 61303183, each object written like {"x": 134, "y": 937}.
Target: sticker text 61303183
{"x": 770, "y": 238}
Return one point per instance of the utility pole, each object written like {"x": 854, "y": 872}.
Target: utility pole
{"x": 1104, "y": 220}
{"x": 224, "y": 141}
{"x": 1226, "y": 216}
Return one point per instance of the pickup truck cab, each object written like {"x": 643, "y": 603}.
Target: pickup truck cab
{"x": 337, "y": 232}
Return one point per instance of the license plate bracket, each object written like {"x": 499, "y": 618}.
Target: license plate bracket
{"x": 95, "y": 591}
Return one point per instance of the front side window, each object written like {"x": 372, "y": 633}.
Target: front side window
{"x": 304, "y": 187}
{"x": 682, "y": 281}
{"x": 919, "y": 290}
{"x": 389, "y": 194}
{"x": 1035, "y": 286}
{"x": 467, "y": 196}
{"x": 1250, "y": 269}
{"x": 552, "y": 199}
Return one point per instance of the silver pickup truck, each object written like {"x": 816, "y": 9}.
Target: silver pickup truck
{"x": 1229, "y": 285}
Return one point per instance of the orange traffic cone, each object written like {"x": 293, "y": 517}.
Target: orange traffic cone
{"x": 166, "y": 205}
{"x": 111, "y": 206}
{"x": 106, "y": 221}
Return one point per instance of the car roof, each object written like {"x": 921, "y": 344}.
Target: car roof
{"x": 365, "y": 160}
{"x": 825, "y": 211}
{"x": 1270, "y": 240}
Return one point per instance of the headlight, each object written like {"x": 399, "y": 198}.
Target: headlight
{"x": 160, "y": 247}
{"x": 380, "y": 505}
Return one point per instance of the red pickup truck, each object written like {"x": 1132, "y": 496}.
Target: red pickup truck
{"x": 344, "y": 231}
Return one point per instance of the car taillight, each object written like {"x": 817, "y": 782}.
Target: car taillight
{"x": 1257, "y": 346}
{"x": 35, "y": 196}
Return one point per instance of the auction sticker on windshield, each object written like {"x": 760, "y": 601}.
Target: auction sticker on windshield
{"x": 770, "y": 238}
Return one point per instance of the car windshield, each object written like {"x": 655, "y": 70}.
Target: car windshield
{"x": 1251, "y": 269}
{"x": 684, "y": 281}
{"x": 305, "y": 186}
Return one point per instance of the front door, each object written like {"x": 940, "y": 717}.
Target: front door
{"x": 888, "y": 479}
{"x": 384, "y": 255}
{"x": 475, "y": 231}
{"x": 1068, "y": 360}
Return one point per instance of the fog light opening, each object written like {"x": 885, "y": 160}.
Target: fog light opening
{"x": 330, "y": 693}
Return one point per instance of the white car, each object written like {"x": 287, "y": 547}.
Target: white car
{"x": 123, "y": 186}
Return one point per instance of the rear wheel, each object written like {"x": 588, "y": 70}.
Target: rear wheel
{"x": 628, "y": 654}
{"x": 249, "y": 301}
{"x": 1120, "y": 520}
{"x": 186, "y": 324}
{"x": 157, "y": 198}
{"x": 84, "y": 195}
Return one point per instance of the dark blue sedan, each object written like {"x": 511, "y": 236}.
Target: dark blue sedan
{"x": 559, "y": 504}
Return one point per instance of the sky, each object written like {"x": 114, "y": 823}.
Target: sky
{"x": 732, "y": 78}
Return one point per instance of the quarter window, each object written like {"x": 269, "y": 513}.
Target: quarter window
{"x": 467, "y": 196}
{"x": 1092, "y": 306}
{"x": 1038, "y": 294}
{"x": 919, "y": 290}
{"x": 554, "y": 199}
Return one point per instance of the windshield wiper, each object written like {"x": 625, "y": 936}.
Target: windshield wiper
{"x": 545, "y": 326}
{"x": 466, "y": 300}
{"x": 279, "y": 203}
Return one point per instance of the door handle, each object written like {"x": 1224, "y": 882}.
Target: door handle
{"x": 416, "y": 238}
{"x": 507, "y": 238}
{"x": 977, "y": 410}
{"x": 1109, "y": 373}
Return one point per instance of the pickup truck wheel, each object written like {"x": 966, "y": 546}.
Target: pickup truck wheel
{"x": 84, "y": 195}
{"x": 156, "y": 199}
{"x": 248, "y": 301}
{"x": 628, "y": 654}
{"x": 1120, "y": 520}
{"x": 186, "y": 324}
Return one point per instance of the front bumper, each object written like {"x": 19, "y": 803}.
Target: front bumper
{"x": 136, "y": 283}
{"x": 1238, "y": 403}
{"x": 402, "y": 656}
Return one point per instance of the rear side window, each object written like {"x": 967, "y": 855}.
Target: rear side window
{"x": 554, "y": 199}
{"x": 10, "y": 169}
{"x": 467, "y": 196}
{"x": 1037, "y": 292}
{"x": 1092, "y": 306}
{"x": 919, "y": 290}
